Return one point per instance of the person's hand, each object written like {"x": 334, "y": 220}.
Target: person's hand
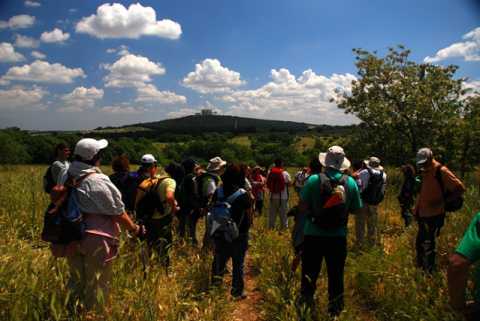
{"x": 140, "y": 231}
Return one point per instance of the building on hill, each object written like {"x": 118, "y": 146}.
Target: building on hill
{"x": 206, "y": 112}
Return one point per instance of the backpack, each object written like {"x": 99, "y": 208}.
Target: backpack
{"x": 127, "y": 184}
{"x": 451, "y": 205}
{"x": 374, "y": 193}
{"x": 63, "y": 221}
{"x": 276, "y": 180}
{"x": 186, "y": 192}
{"x": 219, "y": 219}
{"x": 148, "y": 201}
{"x": 331, "y": 210}
{"x": 48, "y": 182}
{"x": 200, "y": 191}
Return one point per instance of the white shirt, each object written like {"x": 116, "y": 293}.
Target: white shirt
{"x": 364, "y": 177}
{"x": 284, "y": 194}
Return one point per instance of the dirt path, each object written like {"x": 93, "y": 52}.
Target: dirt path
{"x": 247, "y": 309}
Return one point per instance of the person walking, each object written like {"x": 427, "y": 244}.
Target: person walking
{"x": 258, "y": 189}
{"x": 155, "y": 206}
{"x": 409, "y": 189}
{"x": 188, "y": 202}
{"x": 372, "y": 181}
{"x": 300, "y": 179}
{"x": 465, "y": 256}
{"x": 226, "y": 246}
{"x": 126, "y": 182}
{"x": 90, "y": 259}
{"x": 439, "y": 187}
{"x": 326, "y": 200}
{"x": 278, "y": 181}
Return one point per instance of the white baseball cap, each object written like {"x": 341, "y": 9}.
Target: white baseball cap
{"x": 148, "y": 159}
{"x": 87, "y": 148}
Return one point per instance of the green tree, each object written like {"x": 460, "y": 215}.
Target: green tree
{"x": 403, "y": 105}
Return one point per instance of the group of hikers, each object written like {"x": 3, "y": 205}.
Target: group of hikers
{"x": 87, "y": 209}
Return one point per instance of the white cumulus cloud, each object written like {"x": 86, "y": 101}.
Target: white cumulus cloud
{"x": 150, "y": 94}
{"x": 18, "y": 22}
{"x": 80, "y": 99}
{"x": 32, "y": 4}
{"x": 25, "y": 42}
{"x": 8, "y": 53}
{"x": 116, "y": 21}
{"x": 211, "y": 77}
{"x": 132, "y": 71}
{"x": 56, "y": 35}
{"x": 468, "y": 49}
{"x": 19, "y": 97}
{"x": 43, "y": 72}
{"x": 121, "y": 110}
{"x": 38, "y": 55}
{"x": 305, "y": 98}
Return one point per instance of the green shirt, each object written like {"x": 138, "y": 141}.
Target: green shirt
{"x": 469, "y": 247}
{"x": 312, "y": 189}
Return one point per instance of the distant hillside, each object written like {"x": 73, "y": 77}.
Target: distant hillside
{"x": 220, "y": 123}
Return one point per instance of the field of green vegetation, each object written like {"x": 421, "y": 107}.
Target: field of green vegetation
{"x": 381, "y": 284}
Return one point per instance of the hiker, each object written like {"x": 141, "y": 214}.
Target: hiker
{"x": 258, "y": 189}
{"x": 188, "y": 202}
{"x": 206, "y": 184}
{"x": 407, "y": 194}
{"x": 300, "y": 179}
{"x": 278, "y": 181}
{"x": 56, "y": 173}
{"x": 439, "y": 188}
{"x": 326, "y": 199}
{"x": 228, "y": 243}
{"x": 90, "y": 260}
{"x": 466, "y": 254}
{"x": 126, "y": 182}
{"x": 372, "y": 181}
{"x": 155, "y": 206}
{"x": 314, "y": 167}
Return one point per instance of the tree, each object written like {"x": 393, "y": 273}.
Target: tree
{"x": 403, "y": 105}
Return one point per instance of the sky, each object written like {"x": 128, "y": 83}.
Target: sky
{"x": 68, "y": 65}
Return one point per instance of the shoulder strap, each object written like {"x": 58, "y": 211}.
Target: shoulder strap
{"x": 235, "y": 195}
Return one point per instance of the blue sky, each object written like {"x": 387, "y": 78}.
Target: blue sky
{"x": 84, "y": 64}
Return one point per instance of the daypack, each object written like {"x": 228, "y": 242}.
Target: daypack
{"x": 374, "y": 193}
{"x": 219, "y": 219}
{"x": 148, "y": 201}
{"x": 450, "y": 205}
{"x": 187, "y": 193}
{"x": 331, "y": 210}
{"x": 276, "y": 180}
{"x": 200, "y": 190}
{"x": 63, "y": 221}
{"x": 127, "y": 183}
{"x": 48, "y": 182}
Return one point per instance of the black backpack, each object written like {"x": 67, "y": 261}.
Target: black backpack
{"x": 450, "y": 205}
{"x": 48, "y": 182}
{"x": 199, "y": 182}
{"x": 127, "y": 183}
{"x": 149, "y": 202}
{"x": 330, "y": 209}
{"x": 374, "y": 193}
{"x": 186, "y": 192}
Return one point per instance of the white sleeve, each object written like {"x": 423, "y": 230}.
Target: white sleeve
{"x": 287, "y": 178}
{"x": 211, "y": 186}
{"x": 363, "y": 177}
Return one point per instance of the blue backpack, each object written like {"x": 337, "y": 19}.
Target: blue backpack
{"x": 63, "y": 221}
{"x": 220, "y": 222}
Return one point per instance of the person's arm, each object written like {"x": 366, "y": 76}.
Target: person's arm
{"x": 126, "y": 222}
{"x": 457, "y": 275}
{"x": 170, "y": 200}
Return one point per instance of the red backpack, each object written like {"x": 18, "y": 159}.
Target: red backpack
{"x": 276, "y": 180}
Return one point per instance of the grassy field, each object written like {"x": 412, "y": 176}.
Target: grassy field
{"x": 381, "y": 284}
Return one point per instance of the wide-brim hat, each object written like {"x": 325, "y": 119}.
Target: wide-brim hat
{"x": 334, "y": 158}
{"x": 374, "y": 162}
{"x": 215, "y": 164}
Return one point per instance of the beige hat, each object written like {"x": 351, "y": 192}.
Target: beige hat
{"x": 374, "y": 162}
{"x": 215, "y": 164}
{"x": 87, "y": 148}
{"x": 334, "y": 158}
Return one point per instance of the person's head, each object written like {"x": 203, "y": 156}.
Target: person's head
{"x": 148, "y": 165}
{"x": 334, "y": 158}
{"x": 233, "y": 178}
{"x": 62, "y": 151}
{"x": 257, "y": 170}
{"x": 374, "y": 162}
{"x": 358, "y": 165}
{"x": 216, "y": 165}
{"x": 189, "y": 165}
{"x": 121, "y": 164}
{"x": 408, "y": 170}
{"x": 88, "y": 150}
{"x": 245, "y": 169}
{"x": 278, "y": 162}
{"x": 315, "y": 167}
{"x": 424, "y": 157}
{"x": 175, "y": 171}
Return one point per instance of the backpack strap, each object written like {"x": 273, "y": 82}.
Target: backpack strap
{"x": 235, "y": 195}
{"x": 438, "y": 177}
